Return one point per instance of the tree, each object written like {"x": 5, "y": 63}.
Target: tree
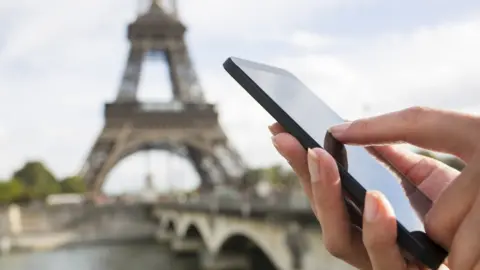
{"x": 277, "y": 176}
{"x": 252, "y": 176}
{"x": 280, "y": 177}
{"x": 73, "y": 184}
{"x": 37, "y": 179}
{"x": 273, "y": 175}
{"x": 11, "y": 191}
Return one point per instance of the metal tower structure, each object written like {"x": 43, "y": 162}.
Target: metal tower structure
{"x": 187, "y": 125}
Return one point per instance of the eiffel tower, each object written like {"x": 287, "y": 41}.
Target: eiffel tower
{"x": 187, "y": 125}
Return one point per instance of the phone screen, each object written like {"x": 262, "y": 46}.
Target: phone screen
{"x": 315, "y": 118}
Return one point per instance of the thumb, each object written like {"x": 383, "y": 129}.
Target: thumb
{"x": 380, "y": 233}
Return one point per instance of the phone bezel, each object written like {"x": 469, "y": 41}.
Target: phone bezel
{"x": 416, "y": 244}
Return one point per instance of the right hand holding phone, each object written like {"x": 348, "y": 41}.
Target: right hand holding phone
{"x": 454, "y": 219}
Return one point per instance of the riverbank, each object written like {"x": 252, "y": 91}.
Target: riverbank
{"x": 146, "y": 255}
{"x": 52, "y": 241}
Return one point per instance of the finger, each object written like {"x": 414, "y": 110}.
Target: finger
{"x": 447, "y": 213}
{"x": 328, "y": 201}
{"x": 276, "y": 128}
{"x": 465, "y": 249}
{"x": 429, "y": 175}
{"x": 380, "y": 233}
{"x": 296, "y": 156}
{"x": 442, "y": 131}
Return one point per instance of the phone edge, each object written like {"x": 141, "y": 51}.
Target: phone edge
{"x": 407, "y": 240}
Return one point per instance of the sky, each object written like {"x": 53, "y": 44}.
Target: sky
{"x": 60, "y": 61}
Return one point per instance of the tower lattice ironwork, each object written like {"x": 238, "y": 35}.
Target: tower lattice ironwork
{"x": 187, "y": 125}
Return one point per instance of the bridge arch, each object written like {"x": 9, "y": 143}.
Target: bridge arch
{"x": 194, "y": 233}
{"x": 257, "y": 254}
{"x": 170, "y": 226}
{"x": 136, "y": 146}
{"x": 269, "y": 239}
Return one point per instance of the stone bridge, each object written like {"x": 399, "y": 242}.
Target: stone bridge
{"x": 223, "y": 234}
{"x": 245, "y": 237}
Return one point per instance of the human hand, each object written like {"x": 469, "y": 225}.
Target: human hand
{"x": 453, "y": 220}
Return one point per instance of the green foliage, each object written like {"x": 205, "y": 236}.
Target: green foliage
{"x": 252, "y": 176}
{"x": 34, "y": 181}
{"x": 11, "y": 190}
{"x": 73, "y": 184}
{"x": 32, "y": 172}
{"x": 278, "y": 176}
{"x": 40, "y": 182}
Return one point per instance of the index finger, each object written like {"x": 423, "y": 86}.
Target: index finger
{"x": 438, "y": 130}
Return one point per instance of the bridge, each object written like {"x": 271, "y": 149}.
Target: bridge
{"x": 250, "y": 235}
{"x": 221, "y": 233}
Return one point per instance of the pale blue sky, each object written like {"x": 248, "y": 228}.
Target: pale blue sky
{"x": 61, "y": 60}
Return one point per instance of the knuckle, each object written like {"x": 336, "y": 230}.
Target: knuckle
{"x": 413, "y": 114}
{"x": 361, "y": 125}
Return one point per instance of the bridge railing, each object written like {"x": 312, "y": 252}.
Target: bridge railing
{"x": 287, "y": 204}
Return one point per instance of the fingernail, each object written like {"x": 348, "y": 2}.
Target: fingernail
{"x": 313, "y": 165}
{"x": 271, "y": 128}
{"x": 339, "y": 129}
{"x": 371, "y": 207}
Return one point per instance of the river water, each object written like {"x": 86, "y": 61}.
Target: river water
{"x": 104, "y": 257}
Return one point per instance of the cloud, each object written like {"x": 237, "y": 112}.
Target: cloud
{"x": 307, "y": 40}
{"x": 59, "y": 62}
{"x": 428, "y": 65}
{"x": 53, "y": 79}
{"x": 63, "y": 22}
{"x": 244, "y": 121}
{"x": 250, "y": 20}
{"x": 433, "y": 66}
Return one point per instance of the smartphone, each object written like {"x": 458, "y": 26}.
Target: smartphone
{"x": 306, "y": 117}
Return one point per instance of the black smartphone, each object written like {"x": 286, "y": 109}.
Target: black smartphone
{"x": 308, "y": 118}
